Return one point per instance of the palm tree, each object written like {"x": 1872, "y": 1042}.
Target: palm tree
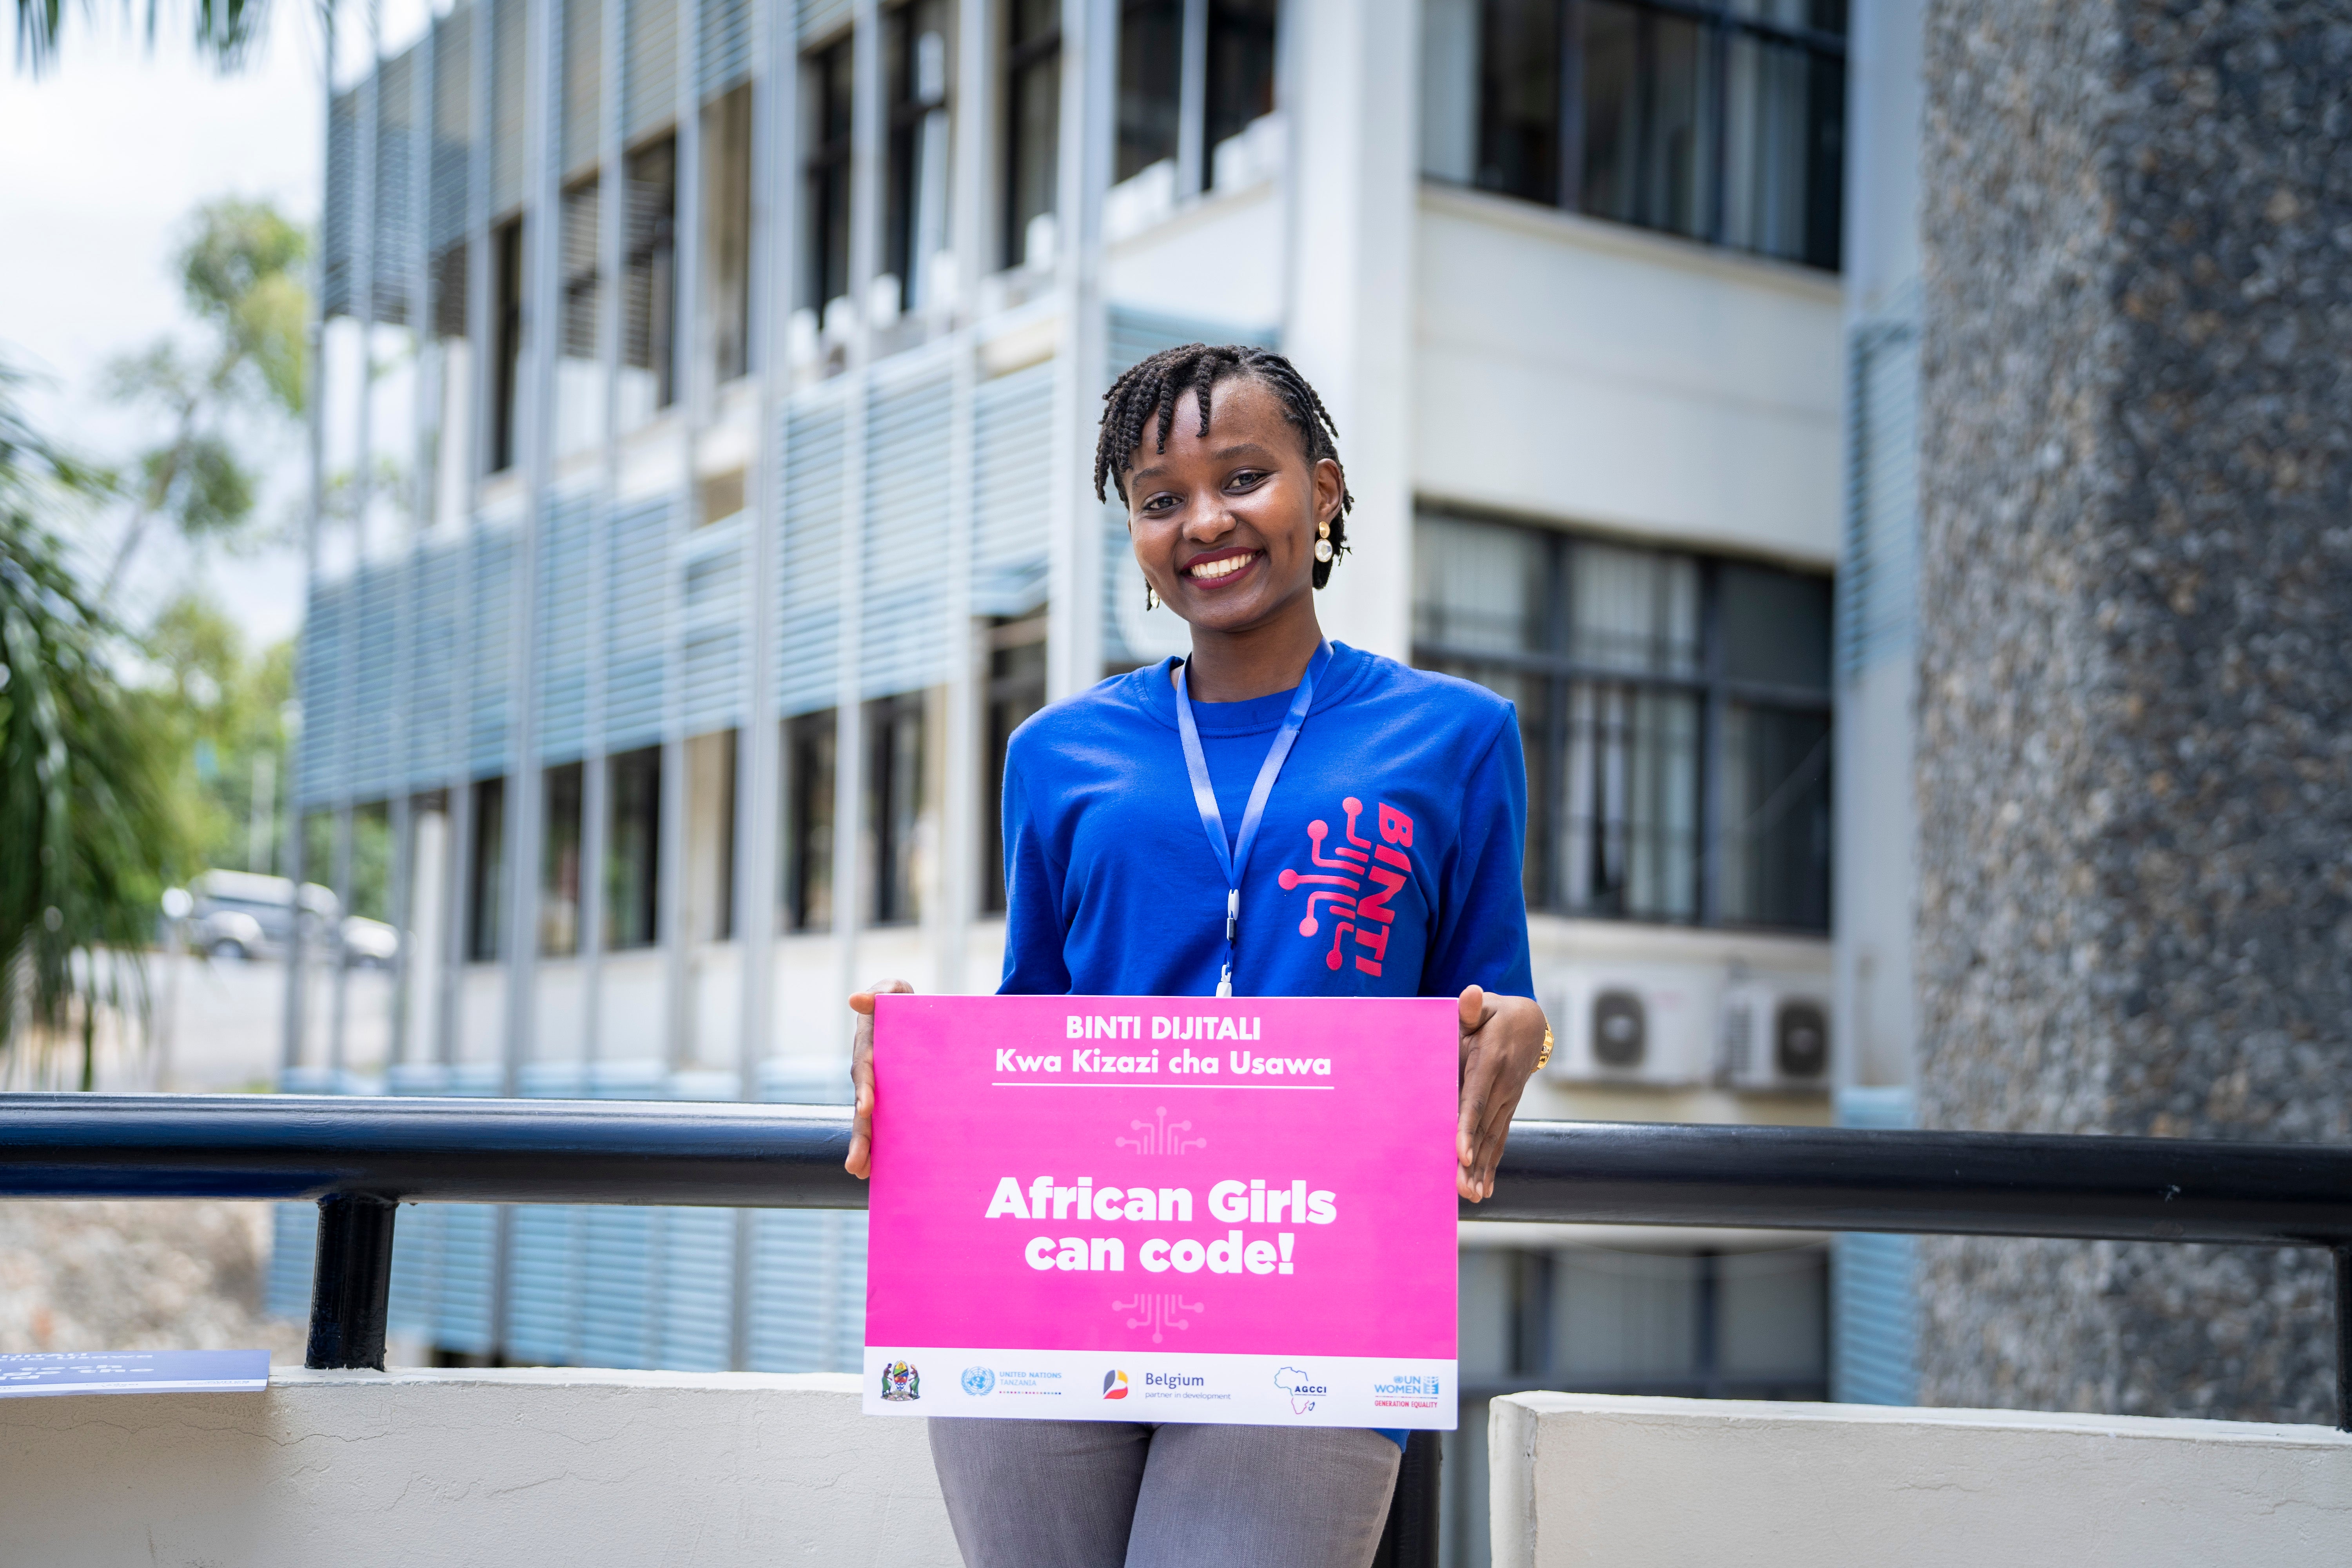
{"x": 90, "y": 830}
{"x": 223, "y": 30}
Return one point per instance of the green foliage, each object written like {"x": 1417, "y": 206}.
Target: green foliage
{"x": 91, "y": 830}
{"x": 229, "y": 711}
{"x": 221, "y": 30}
{"x": 240, "y": 267}
{"x": 241, "y": 271}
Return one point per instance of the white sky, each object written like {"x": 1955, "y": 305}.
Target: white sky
{"x": 108, "y": 152}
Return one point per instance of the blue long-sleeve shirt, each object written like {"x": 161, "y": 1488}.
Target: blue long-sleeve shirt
{"x": 1389, "y": 862}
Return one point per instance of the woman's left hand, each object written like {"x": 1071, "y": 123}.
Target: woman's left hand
{"x": 1501, "y": 1037}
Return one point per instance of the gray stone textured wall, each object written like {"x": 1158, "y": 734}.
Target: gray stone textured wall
{"x": 2135, "y": 764}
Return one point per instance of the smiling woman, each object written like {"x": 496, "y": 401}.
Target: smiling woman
{"x": 1392, "y": 869}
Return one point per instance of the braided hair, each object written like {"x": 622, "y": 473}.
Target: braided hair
{"x": 1149, "y": 391}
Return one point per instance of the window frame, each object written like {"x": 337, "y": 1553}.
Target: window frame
{"x": 1546, "y": 735}
{"x": 904, "y": 109}
{"x": 825, "y": 167}
{"x": 1016, "y": 59}
{"x": 1719, "y": 28}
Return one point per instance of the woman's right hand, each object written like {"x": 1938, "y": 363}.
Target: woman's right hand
{"x": 860, "y": 1162}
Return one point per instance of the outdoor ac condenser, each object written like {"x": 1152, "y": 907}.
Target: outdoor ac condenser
{"x": 1629, "y": 1023}
{"x": 1773, "y": 1035}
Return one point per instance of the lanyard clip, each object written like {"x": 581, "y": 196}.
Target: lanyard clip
{"x": 1226, "y": 981}
{"x": 1232, "y": 913}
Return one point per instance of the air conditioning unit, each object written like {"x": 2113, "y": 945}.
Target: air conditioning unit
{"x": 1629, "y": 1023}
{"x": 1774, "y": 1037}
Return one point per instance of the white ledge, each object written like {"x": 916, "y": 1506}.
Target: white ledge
{"x": 578, "y": 1468}
{"x": 1588, "y": 1479}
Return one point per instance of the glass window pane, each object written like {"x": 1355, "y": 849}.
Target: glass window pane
{"x": 487, "y": 875}
{"x": 1785, "y": 132}
{"x": 1240, "y": 68}
{"x": 1678, "y": 130}
{"x": 1774, "y": 1310}
{"x": 1624, "y": 1317}
{"x": 1481, "y": 586}
{"x": 1519, "y": 136}
{"x": 808, "y": 821}
{"x": 1628, "y": 803}
{"x": 1776, "y": 626}
{"x": 1634, "y": 610}
{"x": 1037, "y": 118}
{"x": 559, "y": 869}
{"x": 1151, "y": 70}
{"x": 633, "y": 850}
{"x": 1776, "y": 828}
{"x": 1649, "y": 119}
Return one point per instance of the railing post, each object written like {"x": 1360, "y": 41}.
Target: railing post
{"x": 351, "y": 1285}
{"x": 2344, "y": 1339}
{"x": 1409, "y": 1540}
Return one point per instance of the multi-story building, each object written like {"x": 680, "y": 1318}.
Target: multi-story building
{"x": 704, "y": 498}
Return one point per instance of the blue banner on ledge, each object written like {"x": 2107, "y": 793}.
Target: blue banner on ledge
{"x": 133, "y": 1371}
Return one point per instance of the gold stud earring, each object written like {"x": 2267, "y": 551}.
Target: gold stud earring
{"x": 1323, "y": 540}
{"x": 1150, "y": 598}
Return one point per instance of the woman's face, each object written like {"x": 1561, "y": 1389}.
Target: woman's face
{"x": 1224, "y": 524}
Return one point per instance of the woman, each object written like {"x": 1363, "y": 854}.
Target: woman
{"x": 1125, "y": 880}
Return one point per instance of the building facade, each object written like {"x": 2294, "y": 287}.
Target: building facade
{"x": 707, "y": 387}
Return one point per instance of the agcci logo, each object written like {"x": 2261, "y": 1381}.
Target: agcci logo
{"x": 1302, "y": 1390}
{"x": 1114, "y": 1384}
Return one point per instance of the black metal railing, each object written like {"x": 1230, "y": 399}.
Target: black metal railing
{"x": 360, "y": 1158}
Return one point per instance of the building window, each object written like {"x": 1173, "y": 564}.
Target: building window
{"x": 649, "y": 283}
{"x": 1235, "y": 89}
{"x": 915, "y": 199}
{"x": 633, "y": 849}
{"x": 558, "y": 864}
{"x": 1016, "y": 689}
{"x": 506, "y": 311}
{"x": 1151, "y": 83}
{"x": 1674, "y": 709}
{"x": 727, "y": 234}
{"x": 1719, "y": 121}
{"x": 894, "y": 807}
{"x": 583, "y": 284}
{"x": 830, "y": 76}
{"x": 486, "y": 878}
{"x": 1033, "y": 107}
{"x": 1240, "y": 87}
{"x": 710, "y": 836}
{"x": 808, "y": 773}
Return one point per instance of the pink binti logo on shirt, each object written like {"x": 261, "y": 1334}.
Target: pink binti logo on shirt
{"x": 1354, "y": 884}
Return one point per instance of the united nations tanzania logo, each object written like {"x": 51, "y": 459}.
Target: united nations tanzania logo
{"x": 977, "y": 1381}
{"x": 901, "y": 1381}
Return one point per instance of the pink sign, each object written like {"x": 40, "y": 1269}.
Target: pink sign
{"x": 1163, "y": 1209}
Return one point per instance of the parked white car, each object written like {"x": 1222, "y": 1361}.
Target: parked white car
{"x": 244, "y": 915}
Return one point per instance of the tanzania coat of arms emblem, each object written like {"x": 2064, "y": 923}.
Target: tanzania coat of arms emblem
{"x": 901, "y": 1381}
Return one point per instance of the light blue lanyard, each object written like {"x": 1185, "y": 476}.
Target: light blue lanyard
{"x": 1205, "y": 795}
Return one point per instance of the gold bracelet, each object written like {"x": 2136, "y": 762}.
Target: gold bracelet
{"x": 1545, "y": 1055}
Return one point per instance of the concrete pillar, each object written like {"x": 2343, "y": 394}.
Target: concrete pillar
{"x": 1350, "y": 83}
{"x": 2135, "y": 693}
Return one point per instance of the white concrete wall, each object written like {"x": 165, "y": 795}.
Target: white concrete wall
{"x": 1590, "y": 372}
{"x": 1585, "y": 1478}
{"x": 579, "y": 1468}
{"x": 1218, "y": 260}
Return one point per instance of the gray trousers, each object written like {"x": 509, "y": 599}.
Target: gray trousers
{"x": 1122, "y": 1494}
